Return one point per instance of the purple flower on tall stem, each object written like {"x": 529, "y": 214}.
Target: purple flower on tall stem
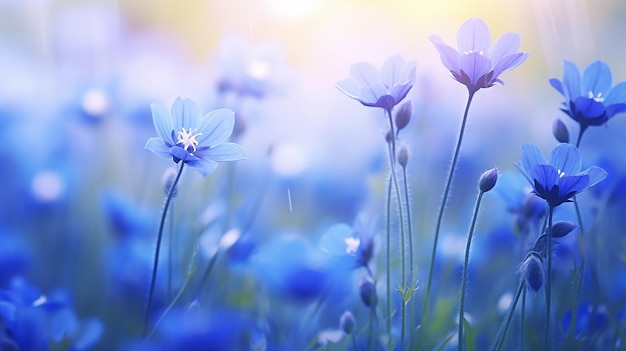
{"x": 558, "y": 180}
{"x": 185, "y": 135}
{"x": 477, "y": 64}
{"x": 590, "y": 100}
{"x": 382, "y": 88}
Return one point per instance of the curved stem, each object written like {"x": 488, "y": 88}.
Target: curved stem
{"x": 170, "y": 195}
{"x": 444, "y": 200}
{"x": 389, "y": 257}
{"x": 461, "y": 342}
{"x": 548, "y": 339}
{"x": 505, "y": 326}
{"x": 412, "y": 268}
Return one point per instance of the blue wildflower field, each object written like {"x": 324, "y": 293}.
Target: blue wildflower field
{"x": 277, "y": 175}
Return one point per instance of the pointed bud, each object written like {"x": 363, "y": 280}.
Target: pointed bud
{"x": 488, "y": 180}
{"x": 561, "y": 229}
{"x": 559, "y": 129}
{"x": 368, "y": 293}
{"x": 403, "y": 155}
{"x": 532, "y": 268}
{"x": 388, "y": 137}
{"x": 403, "y": 116}
{"x": 364, "y": 252}
{"x": 169, "y": 176}
{"x": 347, "y": 322}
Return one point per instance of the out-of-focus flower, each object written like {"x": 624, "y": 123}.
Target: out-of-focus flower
{"x": 589, "y": 99}
{"x": 347, "y": 322}
{"x": 560, "y": 179}
{"x": 367, "y": 290}
{"x": 532, "y": 270}
{"x": 383, "y": 88}
{"x": 184, "y": 135}
{"x": 477, "y": 64}
{"x": 560, "y": 131}
{"x": 589, "y": 320}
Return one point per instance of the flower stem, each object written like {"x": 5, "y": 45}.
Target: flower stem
{"x": 389, "y": 257}
{"x": 443, "y": 202}
{"x": 170, "y": 195}
{"x": 505, "y": 326}
{"x": 523, "y": 320}
{"x": 410, "y": 235}
{"x": 461, "y": 342}
{"x": 548, "y": 339}
{"x": 170, "y": 254}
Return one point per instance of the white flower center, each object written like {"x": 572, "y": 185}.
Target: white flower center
{"x": 479, "y": 52}
{"x": 561, "y": 173}
{"x": 352, "y": 245}
{"x": 598, "y": 98}
{"x": 188, "y": 139}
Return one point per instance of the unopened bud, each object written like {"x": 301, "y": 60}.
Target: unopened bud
{"x": 533, "y": 271}
{"x": 368, "y": 293}
{"x": 347, "y": 322}
{"x": 560, "y": 131}
{"x": 403, "y": 155}
{"x": 403, "y": 116}
{"x": 488, "y": 180}
{"x": 561, "y": 229}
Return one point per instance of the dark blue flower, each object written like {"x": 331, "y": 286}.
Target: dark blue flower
{"x": 589, "y": 99}
{"x": 383, "y": 88}
{"x": 477, "y": 64}
{"x": 560, "y": 179}
{"x": 184, "y": 135}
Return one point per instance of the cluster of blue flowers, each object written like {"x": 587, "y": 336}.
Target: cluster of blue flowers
{"x": 195, "y": 250}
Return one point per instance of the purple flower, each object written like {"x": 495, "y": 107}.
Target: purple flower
{"x": 560, "y": 179}
{"x": 383, "y": 88}
{"x": 477, "y": 64}
{"x": 589, "y": 99}
{"x": 184, "y": 135}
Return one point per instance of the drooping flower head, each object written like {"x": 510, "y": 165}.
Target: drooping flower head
{"x": 558, "y": 180}
{"x": 589, "y": 99}
{"x": 184, "y": 135}
{"x": 383, "y": 88}
{"x": 476, "y": 64}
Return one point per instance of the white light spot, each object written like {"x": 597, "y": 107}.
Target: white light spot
{"x": 40, "y": 301}
{"x": 95, "y": 102}
{"x": 352, "y": 245}
{"x": 289, "y": 199}
{"x": 259, "y": 70}
{"x": 288, "y": 160}
{"x": 188, "y": 139}
{"x": 505, "y": 301}
{"x": 481, "y": 53}
{"x": 597, "y": 98}
{"x": 229, "y": 238}
{"x": 561, "y": 173}
{"x": 47, "y": 186}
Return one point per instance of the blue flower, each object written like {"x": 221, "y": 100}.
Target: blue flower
{"x": 184, "y": 135}
{"x": 560, "y": 179}
{"x": 383, "y": 88}
{"x": 589, "y": 99}
{"x": 477, "y": 64}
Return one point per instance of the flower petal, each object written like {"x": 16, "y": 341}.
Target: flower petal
{"x": 475, "y": 66}
{"x": 370, "y": 94}
{"x": 162, "y": 122}
{"x": 473, "y": 36}
{"x": 185, "y": 114}
{"x": 364, "y": 74}
{"x": 616, "y": 95}
{"x": 225, "y": 152}
{"x": 508, "y": 44}
{"x": 508, "y": 63}
{"x": 399, "y": 92}
{"x": 556, "y": 84}
{"x": 571, "y": 81}
{"x": 449, "y": 56}
{"x": 157, "y": 146}
{"x": 216, "y": 126}
{"x": 392, "y": 70}
{"x": 531, "y": 156}
{"x": 181, "y": 154}
{"x": 589, "y": 108}
{"x": 203, "y": 165}
{"x": 521, "y": 169}
{"x": 546, "y": 175}
{"x": 349, "y": 87}
{"x": 566, "y": 158}
{"x": 572, "y": 185}
{"x": 596, "y": 174}
{"x": 614, "y": 109}
{"x": 597, "y": 79}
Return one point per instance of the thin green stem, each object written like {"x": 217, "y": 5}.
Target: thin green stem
{"x": 170, "y": 195}
{"x": 370, "y": 331}
{"x": 443, "y": 203}
{"x": 410, "y": 234}
{"x": 505, "y": 327}
{"x": 523, "y": 320}
{"x": 389, "y": 257}
{"x": 548, "y": 339}
{"x": 170, "y": 254}
{"x": 461, "y": 342}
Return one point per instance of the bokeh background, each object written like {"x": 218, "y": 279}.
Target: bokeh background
{"x": 77, "y": 79}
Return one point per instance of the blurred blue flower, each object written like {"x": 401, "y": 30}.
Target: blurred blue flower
{"x": 383, "y": 88}
{"x": 477, "y": 64}
{"x": 589, "y": 320}
{"x": 560, "y": 179}
{"x": 589, "y": 99}
{"x": 184, "y": 135}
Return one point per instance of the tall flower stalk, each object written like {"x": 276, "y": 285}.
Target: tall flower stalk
{"x": 476, "y": 64}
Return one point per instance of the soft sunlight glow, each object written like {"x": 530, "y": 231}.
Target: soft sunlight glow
{"x": 47, "y": 186}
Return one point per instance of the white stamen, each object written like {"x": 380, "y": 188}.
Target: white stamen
{"x": 597, "y": 98}
{"x": 481, "y": 53}
{"x": 188, "y": 138}
{"x": 561, "y": 173}
{"x": 352, "y": 244}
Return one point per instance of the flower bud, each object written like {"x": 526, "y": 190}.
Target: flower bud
{"x": 561, "y": 229}
{"x": 488, "y": 180}
{"x": 364, "y": 252}
{"x": 403, "y": 155}
{"x": 403, "y": 116}
{"x": 168, "y": 179}
{"x": 559, "y": 129}
{"x": 368, "y": 293}
{"x": 347, "y": 322}
{"x": 532, "y": 269}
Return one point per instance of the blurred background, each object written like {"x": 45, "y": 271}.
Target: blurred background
{"x": 77, "y": 78}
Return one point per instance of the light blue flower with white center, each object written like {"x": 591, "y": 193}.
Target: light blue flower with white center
{"x": 199, "y": 141}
